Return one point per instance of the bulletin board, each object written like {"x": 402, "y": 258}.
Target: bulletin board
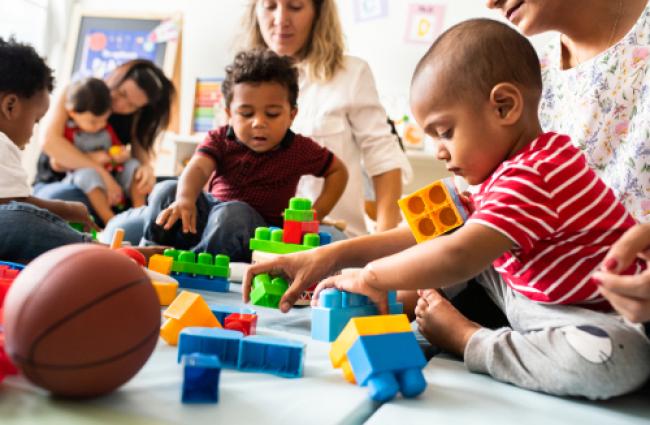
{"x": 99, "y": 41}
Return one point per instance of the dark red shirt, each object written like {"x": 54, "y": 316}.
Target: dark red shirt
{"x": 265, "y": 181}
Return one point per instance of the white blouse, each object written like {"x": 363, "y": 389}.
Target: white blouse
{"x": 344, "y": 115}
{"x": 604, "y": 105}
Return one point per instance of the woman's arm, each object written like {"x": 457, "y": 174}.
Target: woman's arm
{"x": 336, "y": 177}
{"x": 388, "y": 189}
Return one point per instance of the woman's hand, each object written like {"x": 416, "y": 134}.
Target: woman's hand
{"x": 628, "y": 294}
{"x": 145, "y": 179}
{"x": 358, "y": 281}
{"x": 302, "y": 269}
{"x": 184, "y": 209}
{"x": 100, "y": 157}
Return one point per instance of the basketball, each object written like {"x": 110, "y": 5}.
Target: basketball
{"x": 81, "y": 320}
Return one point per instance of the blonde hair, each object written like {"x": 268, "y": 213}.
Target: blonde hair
{"x": 323, "y": 52}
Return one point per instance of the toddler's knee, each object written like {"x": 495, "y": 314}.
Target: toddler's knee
{"x": 163, "y": 191}
{"x": 240, "y": 214}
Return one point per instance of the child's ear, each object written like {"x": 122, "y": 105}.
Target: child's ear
{"x": 9, "y": 106}
{"x": 507, "y": 102}
{"x": 228, "y": 114}
{"x": 293, "y": 113}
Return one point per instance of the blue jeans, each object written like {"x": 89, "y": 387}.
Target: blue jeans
{"x": 27, "y": 231}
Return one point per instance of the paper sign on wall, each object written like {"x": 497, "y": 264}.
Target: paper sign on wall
{"x": 367, "y": 10}
{"x": 424, "y": 22}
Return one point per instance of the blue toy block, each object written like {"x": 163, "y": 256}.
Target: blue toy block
{"x": 200, "y": 378}
{"x": 325, "y": 238}
{"x": 271, "y": 355}
{"x": 388, "y": 363}
{"x": 220, "y": 342}
{"x": 215, "y": 284}
{"x": 11, "y": 265}
{"x": 336, "y": 308}
{"x": 222, "y": 311}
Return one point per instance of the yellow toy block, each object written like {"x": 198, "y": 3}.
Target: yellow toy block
{"x": 358, "y": 326}
{"x": 161, "y": 263}
{"x": 433, "y": 210}
{"x": 188, "y": 309}
{"x": 166, "y": 291}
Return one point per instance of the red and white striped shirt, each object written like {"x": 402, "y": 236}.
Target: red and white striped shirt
{"x": 561, "y": 217}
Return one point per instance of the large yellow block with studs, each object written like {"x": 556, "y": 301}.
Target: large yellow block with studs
{"x": 161, "y": 263}
{"x": 433, "y": 210}
{"x": 188, "y": 309}
{"x": 359, "y": 326}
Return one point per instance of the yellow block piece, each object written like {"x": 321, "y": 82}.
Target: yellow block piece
{"x": 188, "y": 309}
{"x": 358, "y": 326}
{"x": 161, "y": 263}
{"x": 166, "y": 291}
{"x": 430, "y": 211}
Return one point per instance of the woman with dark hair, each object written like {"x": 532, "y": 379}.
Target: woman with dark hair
{"x": 141, "y": 98}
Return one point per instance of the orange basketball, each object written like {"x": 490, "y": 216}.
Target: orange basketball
{"x": 81, "y": 320}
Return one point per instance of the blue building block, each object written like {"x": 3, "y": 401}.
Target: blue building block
{"x": 336, "y": 308}
{"x": 200, "y": 378}
{"x": 388, "y": 363}
{"x": 220, "y": 342}
{"x": 271, "y": 355}
{"x": 325, "y": 238}
{"x": 222, "y": 311}
{"x": 11, "y": 265}
{"x": 215, "y": 284}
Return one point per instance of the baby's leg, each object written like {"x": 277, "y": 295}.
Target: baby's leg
{"x": 561, "y": 350}
{"x": 92, "y": 184}
{"x": 99, "y": 200}
{"x": 128, "y": 183}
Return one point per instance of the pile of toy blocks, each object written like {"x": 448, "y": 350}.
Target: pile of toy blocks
{"x": 433, "y": 210}
{"x": 203, "y": 271}
{"x": 336, "y": 308}
{"x": 381, "y": 353}
{"x": 299, "y": 233}
{"x": 8, "y": 273}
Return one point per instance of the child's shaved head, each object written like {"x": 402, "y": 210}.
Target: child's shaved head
{"x": 470, "y": 58}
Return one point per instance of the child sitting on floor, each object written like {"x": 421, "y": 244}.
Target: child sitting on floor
{"x": 252, "y": 166}
{"x": 88, "y": 104}
{"x": 543, "y": 219}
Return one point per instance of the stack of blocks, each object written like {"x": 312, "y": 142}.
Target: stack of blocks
{"x": 336, "y": 308}
{"x": 188, "y": 309}
{"x": 253, "y": 353}
{"x": 382, "y": 353}
{"x": 300, "y": 233}
{"x": 433, "y": 210}
{"x": 203, "y": 272}
{"x": 8, "y": 273}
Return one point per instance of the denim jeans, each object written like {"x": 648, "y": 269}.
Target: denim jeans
{"x": 27, "y": 231}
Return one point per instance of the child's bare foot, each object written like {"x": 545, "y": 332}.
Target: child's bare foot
{"x": 442, "y": 325}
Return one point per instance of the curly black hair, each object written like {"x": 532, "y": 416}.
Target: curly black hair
{"x": 89, "y": 95}
{"x": 22, "y": 71}
{"x": 261, "y": 66}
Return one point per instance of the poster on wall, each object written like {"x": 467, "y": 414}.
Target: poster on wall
{"x": 424, "y": 23}
{"x": 368, "y": 10}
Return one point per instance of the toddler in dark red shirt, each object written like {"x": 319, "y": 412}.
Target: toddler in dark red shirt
{"x": 252, "y": 165}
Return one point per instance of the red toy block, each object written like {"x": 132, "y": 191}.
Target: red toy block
{"x": 293, "y": 231}
{"x": 6, "y": 367}
{"x": 7, "y": 277}
{"x": 244, "y": 323}
{"x": 134, "y": 254}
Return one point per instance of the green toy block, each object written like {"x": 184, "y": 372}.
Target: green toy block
{"x": 267, "y": 241}
{"x": 79, "y": 227}
{"x": 299, "y": 210}
{"x": 204, "y": 265}
{"x": 267, "y": 292}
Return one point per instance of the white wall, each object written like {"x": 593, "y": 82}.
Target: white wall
{"x": 210, "y": 28}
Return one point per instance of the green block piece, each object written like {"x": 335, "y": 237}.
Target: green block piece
{"x": 79, "y": 227}
{"x": 204, "y": 265}
{"x": 298, "y": 215}
{"x": 303, "y": 204}
{"x": 267, "y": 241}
{"x": 267, "y": 292}
{"x": 311, "y": 240}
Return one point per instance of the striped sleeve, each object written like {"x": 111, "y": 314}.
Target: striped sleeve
{"x": 519, "y": 206}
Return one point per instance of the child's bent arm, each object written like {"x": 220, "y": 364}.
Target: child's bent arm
{"x": 439, "y": 262}
{"x": 336, "y": 177}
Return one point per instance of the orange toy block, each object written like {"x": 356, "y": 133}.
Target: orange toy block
{"x": 161, "y": 263}
{"x": 433, "y": 210}
{"x": 361, "y": 326}
{"x": 188, "y": 309}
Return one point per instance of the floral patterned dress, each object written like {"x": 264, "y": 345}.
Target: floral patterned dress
{"x": 604, "y": 105}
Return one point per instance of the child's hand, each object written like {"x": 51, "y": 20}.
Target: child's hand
{"x": 354, "y": 281}
{"x": 99, "y": 157}
{"x": 183, "y": 209}
{"x": 76, "y": 212}
{"x": 120, "y": 156}
{"x": 466, "y": 199}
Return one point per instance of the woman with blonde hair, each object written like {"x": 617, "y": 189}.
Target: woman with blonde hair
{"x": 338, "y": 104}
